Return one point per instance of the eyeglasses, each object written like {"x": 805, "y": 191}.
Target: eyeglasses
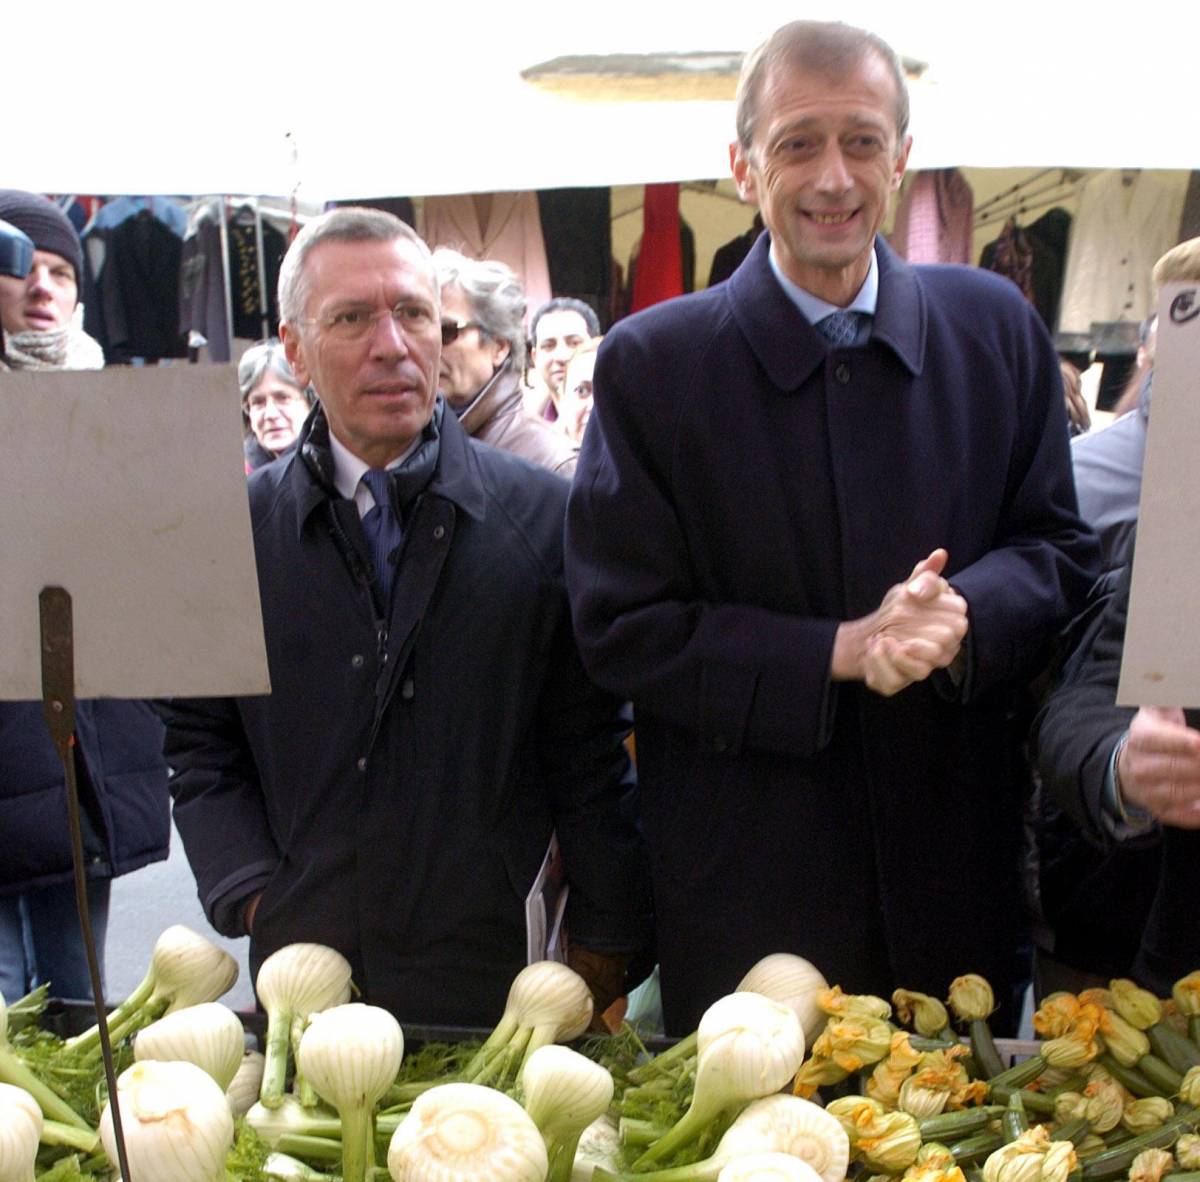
{"x": 354, "y": 324}
{"x": 258, "y": 402}
{"x": 453, "y": 329}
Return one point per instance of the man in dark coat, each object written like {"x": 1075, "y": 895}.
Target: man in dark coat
{"x": 824, "y": 746}
{"x": 430, "y": 724}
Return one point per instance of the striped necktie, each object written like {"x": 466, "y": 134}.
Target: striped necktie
{"x": 382, "y": 528}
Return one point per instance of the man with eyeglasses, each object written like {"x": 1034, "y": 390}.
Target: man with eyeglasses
{"x": 483, "y": 306}
{"x": 430, "y": 725}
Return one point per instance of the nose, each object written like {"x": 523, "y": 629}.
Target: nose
{"x": 388, "y": 339}
{"x": 39, "y": 279}
{"x": 834, "y": 176}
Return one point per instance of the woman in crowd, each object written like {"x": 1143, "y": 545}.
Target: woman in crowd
{"x": 274, "y": 406}
{"x": 121, "y": 775}
{"x": 574, "y": 403}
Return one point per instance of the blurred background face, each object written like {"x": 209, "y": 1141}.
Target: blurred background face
{"x": 277, "y": 411}
{"x": 574, "y": 404}
{"x": 469, "y": 361}
{"x": 44, "y": 300}
{"x": 559, "y": 334}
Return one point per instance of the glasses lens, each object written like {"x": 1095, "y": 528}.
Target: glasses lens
{"x": 450, "y": 331}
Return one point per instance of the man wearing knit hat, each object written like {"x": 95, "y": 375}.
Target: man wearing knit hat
{"x": 40, "y": 315}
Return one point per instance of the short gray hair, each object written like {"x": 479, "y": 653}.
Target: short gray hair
{"x": 351, "y": 223}
{"x": 494, "y": 292}
{"x": 826, "y": 48}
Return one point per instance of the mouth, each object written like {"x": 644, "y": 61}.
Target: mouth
{"x": 831, "y": 219}
{"x": 41, "y": 318}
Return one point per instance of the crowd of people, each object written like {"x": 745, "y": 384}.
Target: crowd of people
{"x": 817, "y": 536}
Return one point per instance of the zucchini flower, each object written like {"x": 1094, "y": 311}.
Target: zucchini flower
{"x": 1070, "y": 1106}
{"x": 843, "y": 1005}
{"x": 933, "y": 1153}
{"x": 888, "y": 1076}
{"x": 1136, "y": 1005}
{"x": 928, "y": 1090}
{"x": 1092, "y": 1143}
{"x": 1056, "y": 1015}
{"x": 1070, "y": 1051}
{"x": 1187, "y": 1152}
{"x": 1104, "y": 1105}
{"x": 1126, "y": 1042}
{"x": 1186, "y": 992}
{"x": 1150, "y": 1165}
{"x": 1032, "y": 1157}
{"x": 933, "y": 1171}
{"x": 1097, "y": 997}
{"x": 1189, "y": 1090}
{"x": 925, "y": 1014}
{"x": 816, "y": 1072}
{"x": 892, "y": 1144}
{"x": 854, "y": 1042}
{"x": 1142, "y": 1116}
{"x": 855, "y": 1114}
{"x": 921, "y": 1101}
{"x": 971, "y": 998}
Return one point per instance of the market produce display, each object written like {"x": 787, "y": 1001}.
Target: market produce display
{"x": 911, "y": 1088}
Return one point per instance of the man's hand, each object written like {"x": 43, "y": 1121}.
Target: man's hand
{"x": 604, "y": 975}
{"x": 919, "y": 627}
{"x": 248, "y": 913}
{"x": 1159, "y": 767}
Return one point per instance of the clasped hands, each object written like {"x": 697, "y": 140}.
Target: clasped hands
{"x": 919, "y": 627}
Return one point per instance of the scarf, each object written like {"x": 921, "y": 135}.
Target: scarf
{"x": 68, "y": 347}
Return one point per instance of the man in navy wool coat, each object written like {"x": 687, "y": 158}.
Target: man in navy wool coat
{"x": 822, "y": 529}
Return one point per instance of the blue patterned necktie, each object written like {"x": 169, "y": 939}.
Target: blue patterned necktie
{"x": 840, "y": 328}
{"x": 381, "y": 527}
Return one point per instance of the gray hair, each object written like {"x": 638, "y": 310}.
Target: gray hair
{"x": 494, "y": 292}
{"x": 351, "y": 223}
{"x": 827, "y": 48}
{"x": 257, "y": 361}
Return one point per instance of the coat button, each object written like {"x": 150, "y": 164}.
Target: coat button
{"x": 362, "y": 763}
{"x": 407, "y": 689}
{"x": 842, "y": 373}
{"x": 357, "y": 660}
{"x": 439, "y": 532}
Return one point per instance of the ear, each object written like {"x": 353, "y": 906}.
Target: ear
{"x": 500, "y": 350}
{"x": 743, "y": 173}
{"x": 293, "y": 350}
{"x": 901, "y": 164}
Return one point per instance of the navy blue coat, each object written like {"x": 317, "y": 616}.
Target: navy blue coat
{"x": 396, "y": 791}
{"x": 123, "y": 794}
{"x": 742, "y": 489}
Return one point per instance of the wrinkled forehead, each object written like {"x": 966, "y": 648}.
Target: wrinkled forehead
{"x": 340, "y": 271}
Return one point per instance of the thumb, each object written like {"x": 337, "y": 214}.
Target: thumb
{"x": 1168, "y": 714}
{"x": 935, "y": 564}
{"x": 925, "y": 582}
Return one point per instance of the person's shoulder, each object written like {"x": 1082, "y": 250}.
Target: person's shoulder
{"x": 955, "y": 282}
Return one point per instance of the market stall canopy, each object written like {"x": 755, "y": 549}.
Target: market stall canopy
{"x": 379, "y": 99}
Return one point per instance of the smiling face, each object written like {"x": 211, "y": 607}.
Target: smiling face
{"x": 825, "y": 160}
{"x": 45, "y": 299}
{"x": 377, "y": 389}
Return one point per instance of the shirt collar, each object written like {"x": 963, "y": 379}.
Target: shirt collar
{"x": 348, "y": 470}
{"x": 815, "y": 309}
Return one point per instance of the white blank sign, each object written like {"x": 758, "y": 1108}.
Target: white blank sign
{"x": 127, "y": 488}
{"x": 1161, "y": 661}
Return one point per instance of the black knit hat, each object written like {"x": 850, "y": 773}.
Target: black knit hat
{"x": 45, "y": 223}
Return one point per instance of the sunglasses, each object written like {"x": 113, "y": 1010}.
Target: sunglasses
{"x": 453, "y": 329}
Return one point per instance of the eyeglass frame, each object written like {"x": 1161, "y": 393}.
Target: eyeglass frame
{"x": 453, "y": 329}
{"x": 330, "y": 324}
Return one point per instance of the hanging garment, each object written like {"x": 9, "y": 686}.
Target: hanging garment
{"x": 1035, "y": 267}
{"x": 729, "y": 257}
{"x": 657, "y": 272}
{"x": 934, "y": 218}
{"x": 577, "y": 228}
{"x": 1124, "y": 224}
{"x": 1189, "y": 223}
{"x": 246, "y": 290}
{"x": 202, "y": 281}
{"x": 510, "y": 231}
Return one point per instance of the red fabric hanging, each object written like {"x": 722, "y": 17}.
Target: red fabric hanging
{"x": 659, "y": 266}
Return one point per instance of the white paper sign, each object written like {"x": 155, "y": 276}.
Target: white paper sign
{"x": 127, "y": 488}
{"x": 1161, "y": 661}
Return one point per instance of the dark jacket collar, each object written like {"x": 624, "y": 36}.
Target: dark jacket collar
{"x": 790, "y": 349}
{"x": 500, "y": 390}
{"x": 455, "y": 476}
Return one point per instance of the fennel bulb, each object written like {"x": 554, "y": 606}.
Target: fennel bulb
{"x": 747, "y": 1047}
{"x": 547, "y": 1003}
{"x": 793, "y": 981}
{"x": 185, "y": 970}
{"x": 462, "y": 1132}
{"x": 564, "y": 1093}
{"x": 599, "y": 1146}
{"x": 20, "y": 1130}
{"x": 294, "y": 982}
{"x": 209, "y": 1035}
{"x": 768, "y": 1167}
{"x": 176, "y": 1121}
{"x": 291, "y": 1119}
{"x": 242, "y": 1092}
{"x": 351, "y": 1055}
